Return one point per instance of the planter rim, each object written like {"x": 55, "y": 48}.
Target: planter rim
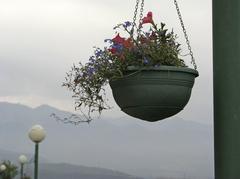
{"x": 164, "y": 68}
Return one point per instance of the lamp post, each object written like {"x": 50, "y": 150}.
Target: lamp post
{"x": 36, "y": 134}
{"x": 2, "y": 169}
{"x": 22, "y": 160}
{"x": 226, "y": 66}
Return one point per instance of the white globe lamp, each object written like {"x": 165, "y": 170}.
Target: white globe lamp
{"x": 3, "y": 167}
{"x": 22, "y": 160}
{"x": 37, "y": 134}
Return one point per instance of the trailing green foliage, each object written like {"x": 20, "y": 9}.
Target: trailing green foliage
{"x": 154, "y": 47}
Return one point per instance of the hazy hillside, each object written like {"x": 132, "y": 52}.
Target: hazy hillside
{"x": 64, "y": 170}
{"x": 9, "y": 155}
{"x": 174, "y": 147}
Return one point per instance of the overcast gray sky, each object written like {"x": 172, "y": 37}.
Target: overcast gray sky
{"x": 41, "y": 39}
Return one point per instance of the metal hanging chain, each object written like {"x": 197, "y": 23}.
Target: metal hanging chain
{"x": 134, "y": 17}
{"x": 185, "y": 34}
{"x": 180, "y": 19}
{"x": 140, "y": 16}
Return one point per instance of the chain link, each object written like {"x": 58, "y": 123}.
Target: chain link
{"x": 185, "y": 34}
{"x": 181, "y": 21}
{"x": 140, "y": 16}
{"x": 135, "y": 17}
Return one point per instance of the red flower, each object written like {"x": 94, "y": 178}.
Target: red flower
{"x": 128, "y": 43}
{"x": 113, "y": 50}
{"x": 149, "y": 14}
{"x": 118, "y": 39}
{"x": 147, "y": 19}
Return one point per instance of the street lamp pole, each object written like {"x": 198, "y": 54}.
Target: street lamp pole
{"x": 226, "y": 67}
{"x": 36, "y": 134}
{"x": 21, "y": 171}
{"x": 22, "y": 160}
{"x": 36, "y": 160}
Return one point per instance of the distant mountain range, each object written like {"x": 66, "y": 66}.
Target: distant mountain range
{"x": 173, "y": 148}
{"x": 66, "y": 171}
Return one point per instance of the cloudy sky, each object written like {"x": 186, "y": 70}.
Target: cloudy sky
{"x": 41, "y": 39}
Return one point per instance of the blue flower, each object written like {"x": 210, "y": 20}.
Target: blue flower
{"x": 90, "y": 71}
{"x": 98, "y": 53}
{"x": 118, "y": 47}
{"x": 145, "y": 61}
{"x": 127, "y": 24}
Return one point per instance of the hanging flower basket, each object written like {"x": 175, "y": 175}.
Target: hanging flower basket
{"x": 153, "y": 93}
{"x": 148, "y": 78}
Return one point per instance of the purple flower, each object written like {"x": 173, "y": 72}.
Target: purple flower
{"x": 118, "y": 47}
{"x": 127, "y": 24}
{"x": 98, "y": 53}
{"x": 90, "y": 71}
{"x": 145, "y": 61}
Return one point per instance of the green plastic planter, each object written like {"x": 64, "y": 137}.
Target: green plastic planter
{"x": 153, "y": 94}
